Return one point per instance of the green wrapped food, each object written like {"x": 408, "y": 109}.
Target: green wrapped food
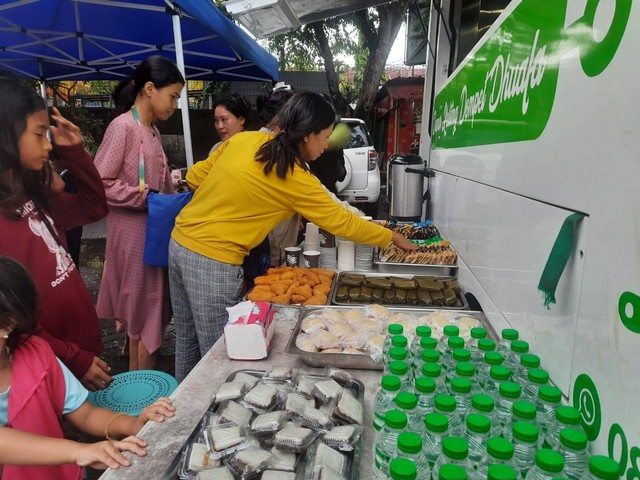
{"x": 453, "y": 285}
{"x": 412, "y": 297}
{"x": 342, "y": 294}
{"x": 433, "y": 286}
{"x": 377, "y": 295}
{"x": 365, "y": 294}
{"x": 379, "y": 282}
{"x": 404, "y": 283}
{"x": 424, "y": 298}
{"x": 351, "y": 280}
{"x": 450, "y": 297}
{"x": 437, "y": 298}
{"x": 401, "y": 296}
{"x": 389, "y": 296}
{"x": 354, "y": 295}
{"x": 424, "y": 279}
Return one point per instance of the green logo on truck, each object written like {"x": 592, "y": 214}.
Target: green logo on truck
{"x": 506, "y": 90}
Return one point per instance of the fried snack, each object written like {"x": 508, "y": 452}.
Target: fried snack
{"x": 325, "y": 272}
{"x": 279, "y": 288}
{"x": 321, "y": 297}
{"x": 324, "y": 280}
{"x": 315, "y": 301}
{"x": 267, "y": 279}
{"x": 289, "y": 274}
{"x": 262, "y": 288}
{"x": 305, "y": 291}
{"x": 298, "y": 298}
{"x": 313, "y": 276}
{"x": 322, "y": 288}
{"x": 277, "y": 270}
{"x": 261, "y": 296}
{"x": 283, "y": 299}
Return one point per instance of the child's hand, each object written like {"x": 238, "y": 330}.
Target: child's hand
{"x": 97, "y": 378}
{"x": 107, "y": 454}
{"x": 158, "y": 411}
{"x": 64, "y": 133}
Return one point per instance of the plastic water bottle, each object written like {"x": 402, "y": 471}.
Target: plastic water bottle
{"x": 477, "y": 333}
{"x": 564, "y": 417}
{"x": 422, "y": 331}
{"x": 403, "y": 469}
{"x": 428, "y": 342}
{"x": 486, "y": 405}
{"x": 549, "y": 465}
{"x": 425, "y": 389}
{"x": 436, "y": 427}
{"x": 434, "y": 371}
{"x": 477, "y": 435}
{"x": 450, "y": 471}
{"x": 512, "y": 357}
{"x": 527, "y": 362}
{"x": 536, "y": 379}
{"x": 509, "y": 393}
{"x": 392, "y": 329}
{"x": 461, "y": 390}
{"x": 523, "y": 411}
{"x": 450, "y": 362}
{"x": 452, "y": 344}
{"x": 468, "y": 371}
{"x": 449, "y": 331}
{"x": 386, "y": 446}
{"x": 455, "y": 450}
{"x": 428, "y": 355}
{"x": 500, "y": 472}
{"x": 497, "y": 375}
{"x": 446, "y": 405}
{"x": 549, "y": 398}
{"x": 401, "y": 370}
{"x": 384, "y": 399}
{"x": 602, "y": 468}
{"x": 484, "y": 346}
{"x": 499, "y": 452}
{"x": 393, "y": 354}
{"x": 574, "y": 447}
{"x": 410, "y": 447}
{"x": 407, "y": 402}
{"x": 508, "y": 336}
{"x": 525, "y": 444}
{"x": 491, "y": 359}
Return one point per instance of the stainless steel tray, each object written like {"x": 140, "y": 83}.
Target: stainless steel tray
{"x": 413, "y": 268}
{"x": 298, "y": 305}
{"x": 463, "y": 304}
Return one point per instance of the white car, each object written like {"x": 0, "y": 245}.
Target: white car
{"x": 362, "y": 183}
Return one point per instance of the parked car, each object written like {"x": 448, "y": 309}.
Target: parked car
{"x": 362, "y": 183}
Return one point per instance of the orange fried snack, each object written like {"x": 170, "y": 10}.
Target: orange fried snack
{"x": 322, "y": 288}
{"x": 267, "y": 279}
{"x": 278, "y": 270}
{"x": 298, "y": 298}
{"x": 282, "y": 299}
{"x": 260, "y": 296}
{"x": 279, "y": 288}
{"x": 304, "y": 290}
{"x": 313, "y": 301}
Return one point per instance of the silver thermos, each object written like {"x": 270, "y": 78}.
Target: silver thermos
{"x": 407, "y": 186}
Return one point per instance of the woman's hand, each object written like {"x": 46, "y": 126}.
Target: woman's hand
{"x": 108, "y": 454}
{"x": 64, "y": 133}
{"x": 97, "y": 377}
{"x": 157, "y": 412}
{"x": 403, "y": 242}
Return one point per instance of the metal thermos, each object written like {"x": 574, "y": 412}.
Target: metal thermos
{"x": 407, "y": 186}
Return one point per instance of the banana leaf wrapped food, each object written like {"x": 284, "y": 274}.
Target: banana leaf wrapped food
{"x": 377, "y": 295}
{"x": 352, "y": 280}
{"x": 437, "y": 298}
{"x": 354, "y": 294}
{"x": 384, "y": 283}
{"x": 428, "y": 282}
{"x": 412, "y": 297}
{"x": 404, "y": 283}
{"x": 450, "y": 297}
{"x": 389, "y": 296}
{"x": 401, "y": 296}
{"x": 342, "y": 294}
{"x": 453, "y": 285}
{"x": 365, "y": 294}
{"x": 424, "y": 298}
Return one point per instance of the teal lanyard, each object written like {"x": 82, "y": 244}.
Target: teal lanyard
{"x": 136, "y": 116}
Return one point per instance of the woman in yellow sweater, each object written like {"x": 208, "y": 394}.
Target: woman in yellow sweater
{"x": 254, "y": 181}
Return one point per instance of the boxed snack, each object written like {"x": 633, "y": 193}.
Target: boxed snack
{"x": 248, "y": 334}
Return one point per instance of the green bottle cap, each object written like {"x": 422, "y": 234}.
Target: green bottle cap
{"x": 395, "y": 329}
{"x": 461, "y": 354}
{"x": 524, "y": 410}
{"x": 409, "y": 442}
{"x": 425, "y": 385}
{"x": 398, "y": 367}
{"x": 465, "y": 369}
{"x": 428, "y": 342}
{"x": 455, "y": 342}
{"x": 402, "y": 469}
{"x": 549, "y": 460}
{"x": 538, "y": 376}
{"x": 510, "y": 390}
{"x": 460, "y": 385}
{"x": 486, "y": 345}
{"x": 395, "y": 419}
{"x": 406, "y": 400}
{"x": 499, "y": 373}
{"x": 451, "y": 471}
{"x": 530, "y": 360}
{"x": 455, "y": 447}
{"x": 445, "y": 402}
{"x": 399, "y": 341}
{"x": 519, "y": 346}
{"x": 482, "y": 402}
{"x": 478, "y": 423}
{"x": 478, "y": 333}
{"x": 501, "y": 472}
{"x": 493, "y": 358}
{"x": 397, "y": 353}
{"x": 525, "y": 432}
{"x": 423, "y": 331}
{"x": 436, "y": 422}
{"x": 573, "y": 438}
{"x": 451, "y": 331}
{"x": 550, "y": 394}
{"x": 568, "y": 415}
{"x": 510, "y": 334}
{"x": 432, "y": 370}
{"x": 430, "y": 355}
{"x": 500, "y": 448}
{"x": 390, "y": 383}
{"x": 604, "y": 467}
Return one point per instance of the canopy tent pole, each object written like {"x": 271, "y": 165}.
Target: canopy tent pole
{"x": 184, "y": 94}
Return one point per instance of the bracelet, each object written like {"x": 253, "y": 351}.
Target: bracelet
{"x": 106, "y": 428}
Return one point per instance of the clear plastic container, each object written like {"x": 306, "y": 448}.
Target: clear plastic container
{"x": 525, "y": 445}
{"x": 476, "y": 334}
{"x": 386, "y": 446}
{"x": 509, "y": 393}
{"x": 499, "y": 452}
{"x": 486, "y": 405}
{"x": 403, "y": 469}
{"x": 512, "y": 356}
{"x": 425, "y": 389}
{"x": 436, "y": 427}
{"x": 446, "y": 405}
{"x": 449, "y": 331}
{"x": 565, "y": 416}
{"x": 401, "y": 370}
{"x": 457, "y": 355}
{"x": 549, "y": 465}
{"x": 423, "y": 331}
{"x": 460, "y": 388}
{"x": 410, "y": 447}
{"x": 536, "y": 379}
{"x": 455, "y": 450}
{"x": 574, "y": 447}
{"x": 383, "y": 401}
{"x": 602, "y": 468}
{"x": 477, "y": 435}
{"x": 484, "y": 346}
{"x": 407, "y": 402}
{"x": 523, "y": 411}
{"x": 508, "y": 336}
{"x": 549, "y": 398}
{"x": 434, "y": 371}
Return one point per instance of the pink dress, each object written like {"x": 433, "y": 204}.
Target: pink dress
{"x": 131, "y": 290}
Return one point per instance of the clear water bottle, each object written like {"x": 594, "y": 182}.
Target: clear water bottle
{"x": 508, "y": 336}
{"x": 422, "y": 331}
{"x": 500, "y": 472}
{"x": 523, "y": 411}
{"x": 446, "y": 405}
{"x": 527, "y": 362}
{"x": 497, "y": 375}
{"x": 386, "y": 446}
{"x": 491, "y": 359}
{"x": 484, "y": 346}
{"x": 436, "y": 427}
{"x": 425, "y": 389}
{"x": 574, "y": 448}
{"x": 428, "y": 355}
{"x": 449, "y": 363}
{"x": 403, "y": 469}
{"x": 401, "y": 370}
{"x": 477, "y": 334}
{"x": 434, "y": 371}
{"x": 450, "y": 471}
{"x": 525, "y": 444}
{"x": 602, "y": 468}
{"x": 509, "y": 393}
{"x": 428, "y": 342}
{"x": 392, "y": 329}
{"x": 499, "y": 452}
{"x": 536, "y": 379}
{"x": 512, "y": 357}
{"x": 393, "y": 354}
{"x": 449, "y": 331}
{"x": 410, "y": 447}
{"x": 477, "y": 435}
{"x": 486, "y": 405}
{"x": 460, "y": 389}
{"x": 549, "y": 465}
{"x": 407, "y": 402}
{"x": 455, "y": 451}
{"x": 468, "y": 371}
{"x": 384, "y": 399}
{"x": 549, "y": 398}
{"x": 452, "y": 344}
{"x": 564, "y": 417}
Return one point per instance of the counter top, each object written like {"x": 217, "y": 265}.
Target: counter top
{"x": 193, "y": 396}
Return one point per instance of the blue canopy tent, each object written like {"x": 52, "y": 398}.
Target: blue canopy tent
{"x": 106, "y": 39}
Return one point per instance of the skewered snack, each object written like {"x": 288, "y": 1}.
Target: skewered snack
{"x": 438, "y": 253}
{"x": 414, "y": 231}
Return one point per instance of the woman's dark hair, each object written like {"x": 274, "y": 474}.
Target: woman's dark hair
{"x": 270, "y": 103}
{"x": 17, "y": 183}
{"x": 236, "y": 104}
{"x": 303, "y": 114}
{"x": 18, "y": 301}
{"x": 156, "y": 69}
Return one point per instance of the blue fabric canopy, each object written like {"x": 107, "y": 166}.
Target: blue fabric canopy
{"x": 105, "y": 39}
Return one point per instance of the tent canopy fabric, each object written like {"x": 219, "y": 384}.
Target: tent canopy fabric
{"x": 106, "y": 39}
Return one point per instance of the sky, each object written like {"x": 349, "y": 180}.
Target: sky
{"x": 397, "y": 50}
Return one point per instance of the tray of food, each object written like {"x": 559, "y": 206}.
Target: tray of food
{"x": 398, "y": 290}
{"x": 281, "y": 424}
{"x": 293, "y": 286}
{"x": 353, "y": 337}
{"x": 437, "y": 258}
{"x": 418, "y": 232}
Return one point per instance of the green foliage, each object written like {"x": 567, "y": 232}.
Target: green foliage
{"x": 213, "y": 90}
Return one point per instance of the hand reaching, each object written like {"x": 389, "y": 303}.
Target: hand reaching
{"x": 403, "y": 242}
{"x": 157, "y": 412}
{"x": 64, "y": 133}
{"x": 108, "y": 454}
{"x": 97, "y": 377}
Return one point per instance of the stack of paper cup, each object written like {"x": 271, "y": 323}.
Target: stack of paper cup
{"x": 346, "y": 255}
{"x": 364, "y": 254}
{"x": 312, "y": 237}
{"x": 327, "y": 250}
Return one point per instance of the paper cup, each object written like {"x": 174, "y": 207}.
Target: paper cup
{"x": 311, "y": 258}
{"x": 292, "y": 256}
{"x": 327, "y": 240}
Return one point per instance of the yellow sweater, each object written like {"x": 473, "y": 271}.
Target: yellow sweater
{"x": 236, "y": 205}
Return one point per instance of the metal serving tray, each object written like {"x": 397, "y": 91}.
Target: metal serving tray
{"x": 356, "y": 387}
{"x": 462, "y": 301}
{"x": 298, "y": 305}
{"x": 414, "y": 268}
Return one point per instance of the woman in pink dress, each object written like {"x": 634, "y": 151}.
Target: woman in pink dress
{"x": 132, "y": 163}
